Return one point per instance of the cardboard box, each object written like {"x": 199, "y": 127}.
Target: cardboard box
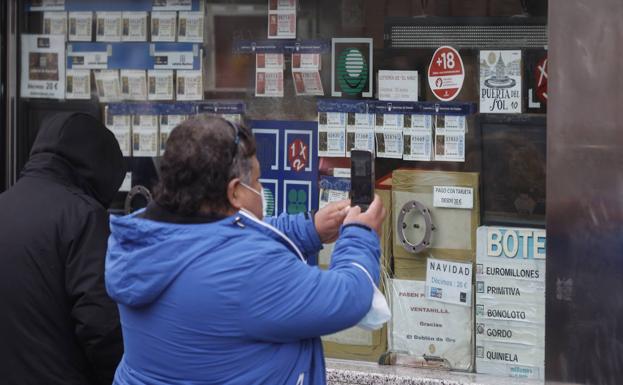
{"x": 454, "y": 229}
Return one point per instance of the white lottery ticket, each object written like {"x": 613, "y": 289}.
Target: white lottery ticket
{"x": 133, "y": 85}
{"x": 134, "y": 26}
{"x": 108, "y": 26}
{"x": 78, "y": 84}
{"x": 80, "y": 26}
{"x": 160, "y": 84}
{"x": 163, "y": 26}
{"x": 107, "y": 83}
{"x": 269, "y": 83}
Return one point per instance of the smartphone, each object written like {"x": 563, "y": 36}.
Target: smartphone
{"x": 361, "y": 178}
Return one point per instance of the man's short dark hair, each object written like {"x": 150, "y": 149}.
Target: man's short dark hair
{"x": 201, "y": 156}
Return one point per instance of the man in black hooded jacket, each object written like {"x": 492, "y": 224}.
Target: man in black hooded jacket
{"x": 58, "y": 325}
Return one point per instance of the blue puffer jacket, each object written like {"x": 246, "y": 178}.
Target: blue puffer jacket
{"x": 233, "y": 301}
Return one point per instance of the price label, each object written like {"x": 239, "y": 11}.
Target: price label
{"x": 453, "y": 197}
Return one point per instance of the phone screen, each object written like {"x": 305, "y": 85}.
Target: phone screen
{"x": 362, "y": 179}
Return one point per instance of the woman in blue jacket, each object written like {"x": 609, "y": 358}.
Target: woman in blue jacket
{"x": 209, "y": 293}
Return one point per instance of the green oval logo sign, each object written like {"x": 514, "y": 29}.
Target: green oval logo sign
{"x": 352, "y": 71}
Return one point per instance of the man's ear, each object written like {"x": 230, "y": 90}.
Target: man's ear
{"x": 232, "y": 195}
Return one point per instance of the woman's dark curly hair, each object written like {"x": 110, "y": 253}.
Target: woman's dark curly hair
{"x": 201, "y": 156}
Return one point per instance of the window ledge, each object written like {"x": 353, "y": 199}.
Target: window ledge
{"x": 345, "y": 372}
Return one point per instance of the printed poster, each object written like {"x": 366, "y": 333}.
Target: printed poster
{"x": 422, "y": 327}
{"x": 500, "y": 82}
{"x": 43, "y": 75}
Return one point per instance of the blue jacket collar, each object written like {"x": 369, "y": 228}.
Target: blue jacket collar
{"x": 246, "y": 218}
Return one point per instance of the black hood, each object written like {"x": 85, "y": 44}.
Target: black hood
{"x": 79, "y": 144}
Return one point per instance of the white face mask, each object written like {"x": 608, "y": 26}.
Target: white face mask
{"x": 260, "y": 193}
{"x": 379, "y": 312}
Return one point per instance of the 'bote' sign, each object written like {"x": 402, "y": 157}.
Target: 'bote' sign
{"x": 510, "y": 301}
